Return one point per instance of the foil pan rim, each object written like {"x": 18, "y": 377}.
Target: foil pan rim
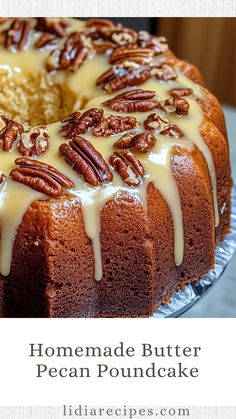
{"x": 182, "y": 301}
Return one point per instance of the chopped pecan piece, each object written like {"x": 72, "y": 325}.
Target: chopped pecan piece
{"x": 178, "y": 105}
{"x": 180, "y": 92}
{"x": 113, "y": 124}
{"x": 85, "y": 160}
{"x": 2, "y": 178}
{"x": 117, "y": 78}
{"x": 40, "y": 177}
{"x": 69, "y": 124}
{"x": 157, "y": 43}
{"x": 76, "y": 123}
{"x": 133, "y": 101}
{"x": 53, "y": 61}
{"x": 53, "y": 26}
{"x": 106, "y": 36}
{"x": 168, "y": 105}
{"x": 33, "y": 142}
{"x": 99, "y": 28}
{"x": 105, "y": 30}
{"x": 142, "y": 142}
{"x": 172, "y": 131}
{"x": 46, "y": 40}
{"x": 156, "y": 122}
{"x": 125, "y": 141}
{"x": 103, "y": 46}
{"x": 123, "y": 36}
{"x": 131, "y": 53}
{"x": 128, "y": 166}
{"x": 165, "y": 72}
{"x": 9, "y": 132}
{"x": 72, "y": 116}
{"x": 160, "y": 125}
{"x": 18, "y": 34}
{"x": 72, "y": 56}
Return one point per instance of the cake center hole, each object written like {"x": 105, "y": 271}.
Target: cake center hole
{"x": 36, "y": 101}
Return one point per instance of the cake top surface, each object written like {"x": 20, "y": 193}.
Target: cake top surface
{"x": 131, "y": 108}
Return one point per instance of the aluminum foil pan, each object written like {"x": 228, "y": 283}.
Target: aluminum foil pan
{"x": 181, "y": 301}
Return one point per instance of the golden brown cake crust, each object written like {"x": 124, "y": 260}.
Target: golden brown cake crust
{"x": 53, "y": 268}
{"x": 218, "y": 145}
{"x": 213, "y": 111}
{"x": 190, "y": 71}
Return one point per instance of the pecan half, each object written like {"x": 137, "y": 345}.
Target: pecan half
{"x": 117, "y": 78}
{"x": 46, "y": 40}
{"x": 165, "y": 72}
{"x": 33, "y": 142}
{"x": 142, "y": 142}
{"x": 128, "y": 166}
{"x": 74, "y": 52}
{"x": 40, "y": 177}
{"x": 178, "y": 105}
{"x": 133, "y": 101}
{"x": 160, "y": 125}
{"x": 85, "y": 160}
{"x": 56, "y": 27}
{"x": 76, "y": 123}
{"x": 131, "y": 53}
{"x": 72, "y": 56}
{"x": 113, "y": 124}
{"x": 9, "y": 132}
{"x": 157, "y": 43}
{"x": 18, "y": 34}
{"x": 180, "y": 92}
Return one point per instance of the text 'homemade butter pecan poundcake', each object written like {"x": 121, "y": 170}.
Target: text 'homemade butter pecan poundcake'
{"x": 115, "y": 177}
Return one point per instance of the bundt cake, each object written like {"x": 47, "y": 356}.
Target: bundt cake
{"x": 115, "y": 174}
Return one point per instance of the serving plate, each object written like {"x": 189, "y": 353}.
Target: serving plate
{"x": 182, "y": 301}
